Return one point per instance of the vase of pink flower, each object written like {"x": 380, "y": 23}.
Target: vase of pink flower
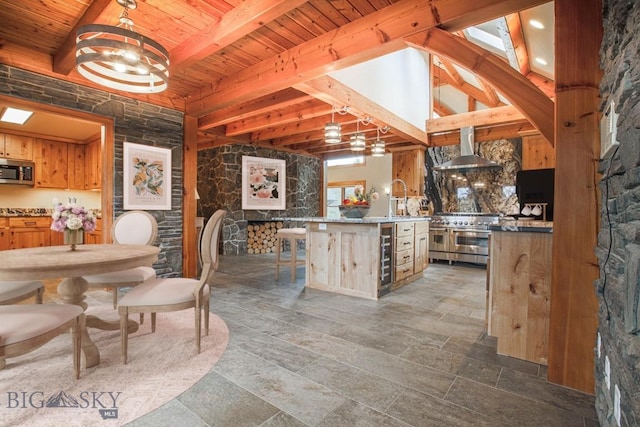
{"x": 73, "y": 221}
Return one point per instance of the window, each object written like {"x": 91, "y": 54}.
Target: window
{"x": 336, "y": 193}
{"x": 346, "y": 161}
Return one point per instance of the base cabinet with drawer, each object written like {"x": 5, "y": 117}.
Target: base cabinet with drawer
{"x": 29, "y": 232}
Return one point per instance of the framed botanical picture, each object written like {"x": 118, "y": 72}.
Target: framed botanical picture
{"x": 147, "y": 177}
{"x": 263, "y": 183}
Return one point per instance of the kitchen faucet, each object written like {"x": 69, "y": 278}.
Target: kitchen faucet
{"x": 391, "y": 198}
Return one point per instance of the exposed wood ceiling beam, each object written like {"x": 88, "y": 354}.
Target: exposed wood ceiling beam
{"x": 492, "y": 116}
{"x": 278, "y": 100}
{"x": 355, "y": 42}
{"x": 523, "y": 94}
{"x": 442, "y": 109}
{"x": 510, "y": 30}
{"x": 483, "y": 134}
{"x": 307, "y": 110}
{"x": 64, "y": 61}
{"x": 332, "y": 91}
{"x": 467, "y": 88}
{"x": 246, "y": 17}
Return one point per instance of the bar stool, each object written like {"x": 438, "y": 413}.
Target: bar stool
{"x": 293, "y": 235}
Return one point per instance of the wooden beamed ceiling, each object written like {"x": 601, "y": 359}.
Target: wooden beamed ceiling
{"x": 256, "y": 71}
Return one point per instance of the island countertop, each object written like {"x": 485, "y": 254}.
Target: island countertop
{"x": 365, "y": 220}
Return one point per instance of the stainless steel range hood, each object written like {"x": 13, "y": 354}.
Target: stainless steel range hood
{"x": 468, "y": 159}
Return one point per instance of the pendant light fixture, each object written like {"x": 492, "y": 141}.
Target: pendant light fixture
{"x": 333, "y": 130}
{"x": 358, "y": 141}
{"x": 119, "y": 58}
{"x": 377, "y": 148}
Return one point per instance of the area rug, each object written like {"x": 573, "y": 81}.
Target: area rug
{"x": 38, "y": 389}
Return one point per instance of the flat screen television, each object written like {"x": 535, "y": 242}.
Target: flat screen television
{"x": 536, "y": 186}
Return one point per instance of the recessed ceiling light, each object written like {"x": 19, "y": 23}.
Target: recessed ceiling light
{"x": 14, "y": 115}
{"x": 541, "y": 61}
{"x": 536, "y": 24}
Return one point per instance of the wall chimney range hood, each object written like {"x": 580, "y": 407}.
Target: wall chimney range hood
{"x": 468, "y": 159}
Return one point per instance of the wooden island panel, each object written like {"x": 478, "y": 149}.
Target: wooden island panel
{"x": 345, "y": 258}
{"x": 519, "y": 294}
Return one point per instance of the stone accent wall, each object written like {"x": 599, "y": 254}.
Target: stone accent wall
{"x": 486, "y": 191}
{"x": 220, "y": 187}
{"x": 618, "y": 249}
{"x": 136, "y": 122}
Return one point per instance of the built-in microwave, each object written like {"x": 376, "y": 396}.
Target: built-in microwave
{"x": 16, "y": 172}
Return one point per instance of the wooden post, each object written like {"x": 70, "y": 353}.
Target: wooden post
{"x": 574, "y": 306}
{"x": 189, "y": 181}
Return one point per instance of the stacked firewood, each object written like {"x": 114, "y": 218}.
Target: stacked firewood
{"x": 261, "y": 238}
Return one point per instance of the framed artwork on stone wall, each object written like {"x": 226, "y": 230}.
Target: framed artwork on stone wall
{"x": 147, "y": 177}
{"x": 263, "y": 183}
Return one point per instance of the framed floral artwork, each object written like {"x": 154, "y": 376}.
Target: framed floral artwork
{"x": 263, "y": 183}
{"x": 147, "y": 177}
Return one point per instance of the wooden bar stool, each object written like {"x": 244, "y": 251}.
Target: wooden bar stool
{"x": 293, "y": 235}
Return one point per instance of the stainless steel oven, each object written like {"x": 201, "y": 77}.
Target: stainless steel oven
{"x": 470, "y": 245}
{"x": 461, "y": 236}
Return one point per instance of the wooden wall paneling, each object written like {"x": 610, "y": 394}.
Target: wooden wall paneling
{"x": 537, "y": 153}
{"x": 189, "y": 202}
{"x": 574, "y": 306}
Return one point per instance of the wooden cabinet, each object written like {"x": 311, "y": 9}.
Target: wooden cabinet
{"x": 16, "y": 146}
{"x": 52, "y": 163}
{"x": 4, "y": 234}
{"x": 29, "y": 232}
{"x": 403, "y": 250}
{"x": 76, "y": 169}
{"x": 93, "y": 165}
{"x": 409, "y": 167}
{"x": 421, "y": 246}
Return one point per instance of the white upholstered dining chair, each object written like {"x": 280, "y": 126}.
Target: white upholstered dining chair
{"x": 26, "y": 327}
{"x": 174, "y": 294}
{"x": 13, "y": 291}
{"x": 130, "y": 228}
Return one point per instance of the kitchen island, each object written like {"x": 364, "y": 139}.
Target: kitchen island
{"x": 365, "y": 257}
{"x": 519, "y": 288}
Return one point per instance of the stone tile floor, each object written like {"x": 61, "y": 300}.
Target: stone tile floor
{"x": 417, "y": 357}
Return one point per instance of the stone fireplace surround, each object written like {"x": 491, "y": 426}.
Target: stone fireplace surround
{"x": 219, "y": 187}
{"x": 618, "y": 251}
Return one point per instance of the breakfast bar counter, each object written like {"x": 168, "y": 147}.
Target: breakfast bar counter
{"x": 364, "y": 257}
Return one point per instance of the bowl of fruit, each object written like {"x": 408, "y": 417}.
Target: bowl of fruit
{"x": 353, "y": 210}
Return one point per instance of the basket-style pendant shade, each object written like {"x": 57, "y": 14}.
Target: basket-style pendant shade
{"x": 377, "y": 149}
{"x": 332, "y": 133}
{"x": 358, "y": 142}
{"x": 119, "y": 58}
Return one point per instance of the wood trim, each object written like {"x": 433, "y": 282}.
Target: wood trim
{"x": 189, "y": 202}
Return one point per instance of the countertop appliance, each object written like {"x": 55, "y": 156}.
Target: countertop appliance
{"x": 461, "y": 236}
{"x": 16, "y": 172}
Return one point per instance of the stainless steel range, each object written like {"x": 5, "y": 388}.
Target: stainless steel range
{"x": 461, "y": 236}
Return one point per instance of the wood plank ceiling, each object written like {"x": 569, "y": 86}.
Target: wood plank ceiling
{"x": 256, "y": 71}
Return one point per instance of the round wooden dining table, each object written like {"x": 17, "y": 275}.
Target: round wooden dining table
{"x": 60, "y": 262}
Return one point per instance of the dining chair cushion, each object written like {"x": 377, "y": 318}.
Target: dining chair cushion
{"x": 14, "y": 288}
{"x": 161, "y": 291}
{"x": 24, "y": 321}
{"x": 130, "y": 277}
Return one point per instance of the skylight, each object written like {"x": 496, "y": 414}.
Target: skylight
{"x": 486, "y": 38}
{"x": 16, "y": 116}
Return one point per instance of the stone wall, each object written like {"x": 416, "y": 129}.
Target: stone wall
{"x": 136, "y": 122}
{"x": 486, "y": 191}
{"x": 220, "y": 187}
{"x": 618, "y": 248}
